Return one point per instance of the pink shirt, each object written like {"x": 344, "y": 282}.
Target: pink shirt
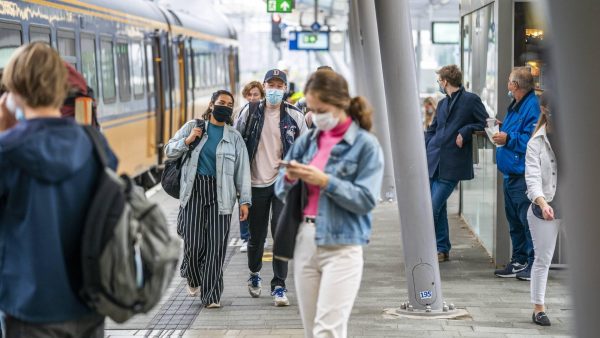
{"x": 325, "y": 143}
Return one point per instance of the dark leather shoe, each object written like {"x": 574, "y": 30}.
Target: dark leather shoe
{"x": 540, "y": 318}
{"x": 443, "y": 257}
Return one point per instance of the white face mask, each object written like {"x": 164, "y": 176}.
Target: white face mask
{"x": 325, "y": 121}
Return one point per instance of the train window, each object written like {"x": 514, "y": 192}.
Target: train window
{"x": 66, "y": 46}
{"x": 39, "y": 34}
{"x": 88, "y": 61}
{"x": 191, "y": 68}
{"x": 123, "y": 71}
{"x": 213, "y": 70}
{"x": 109, "y": 90}
{"x": 137, "y": 62}
{"x": 198, "y": 70}
{"x": 10, "y": 40}
{"x": 149, "y": 69}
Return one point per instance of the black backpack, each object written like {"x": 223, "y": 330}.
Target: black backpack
{"x": 171, "y": 176}
{"x": 128, "y": 256}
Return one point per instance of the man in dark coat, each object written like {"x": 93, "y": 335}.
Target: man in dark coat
{"x": 449, "y": 151}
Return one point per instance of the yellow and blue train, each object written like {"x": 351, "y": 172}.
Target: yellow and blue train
{"x": 151, "y": 68}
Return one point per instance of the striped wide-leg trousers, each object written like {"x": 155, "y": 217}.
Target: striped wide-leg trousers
{"x": 205, "y": 234}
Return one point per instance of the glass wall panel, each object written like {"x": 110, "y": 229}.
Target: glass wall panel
{"x": 480, "y": 69}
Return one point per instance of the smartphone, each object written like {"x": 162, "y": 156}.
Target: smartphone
{"x": 284, "y": 164}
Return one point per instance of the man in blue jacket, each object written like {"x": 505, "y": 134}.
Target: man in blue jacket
{"x": 48, "y": 174}
{"x": 449, "y": 150}
{"x": 515, "y": 132}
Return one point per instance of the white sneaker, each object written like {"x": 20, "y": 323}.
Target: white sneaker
{"x": 244, "y": 247}
{"x": 213, "y": 306}
{"x": 254, "y": 284}
{"x": 193, "y": 291}
{"x": 280, "y": 297}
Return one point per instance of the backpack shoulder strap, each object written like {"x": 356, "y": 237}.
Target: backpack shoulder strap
{"x": 252, "y": 109}
{"x": 96, "y": 138}
{"x": 201, "y": 124}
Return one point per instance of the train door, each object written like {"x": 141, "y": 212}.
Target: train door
{"x": 178, "y": 84}
{"x": 158, "y": 86}
{"x": 190, "y": 80}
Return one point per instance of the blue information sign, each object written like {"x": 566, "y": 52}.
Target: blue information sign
{"x": 308, "y": 40}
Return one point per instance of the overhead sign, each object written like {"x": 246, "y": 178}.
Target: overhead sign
{"x": 445, "y": 32}
{"x": 308, "y": 40}
{"x": 280, "y": 6}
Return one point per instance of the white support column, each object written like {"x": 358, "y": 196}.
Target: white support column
{"x": 375, "y": 90}
{"x": 574, "y": 27}
{"x": 408, "y": 149}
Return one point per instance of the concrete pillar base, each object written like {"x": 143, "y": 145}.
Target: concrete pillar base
{"x": 406, "y": 311}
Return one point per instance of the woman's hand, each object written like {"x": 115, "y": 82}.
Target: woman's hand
{"x": 308, "y": 173}
{"x": 548, "y": 212}
{"x": 196, "y": 132}
{"x": 244, "y": 211}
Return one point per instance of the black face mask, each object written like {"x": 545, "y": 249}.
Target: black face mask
{"x": 222, "y": 113}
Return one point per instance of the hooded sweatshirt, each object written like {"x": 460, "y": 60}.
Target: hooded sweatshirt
{"x": 47, "y": 177}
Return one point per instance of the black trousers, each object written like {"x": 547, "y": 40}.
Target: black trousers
{"x": 205, "y": 234}
{"x": 91, "y": 326}
{"x": 263, "y": 202}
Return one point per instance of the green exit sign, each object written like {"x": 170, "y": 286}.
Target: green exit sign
{"x": 280, "y": 6}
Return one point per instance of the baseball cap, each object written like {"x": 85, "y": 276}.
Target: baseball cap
{"x": 276, "y": 74}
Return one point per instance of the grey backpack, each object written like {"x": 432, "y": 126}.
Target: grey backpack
{"x": 128, "y": 256}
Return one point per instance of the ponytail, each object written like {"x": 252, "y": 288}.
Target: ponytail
{"x": 361, "y": 112}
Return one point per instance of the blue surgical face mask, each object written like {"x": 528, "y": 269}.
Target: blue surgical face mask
{"x": 442, "y": 90}
{"x": 274, "y": 96}
{"x": 511, "y": 95}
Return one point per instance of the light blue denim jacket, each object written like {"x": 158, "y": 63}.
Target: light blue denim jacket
{"x": 355, "y": 169}
{"x": 233, "y": 168}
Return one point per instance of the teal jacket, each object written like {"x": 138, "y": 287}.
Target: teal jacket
{"x": 233, "y": 168}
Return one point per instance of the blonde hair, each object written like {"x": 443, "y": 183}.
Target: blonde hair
{"x": 37, "y": 74}
{"x": 252, "y": 85}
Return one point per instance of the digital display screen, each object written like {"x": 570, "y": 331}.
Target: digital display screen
{"x": 307, "y": 40}
{"x": 445, "y": 32}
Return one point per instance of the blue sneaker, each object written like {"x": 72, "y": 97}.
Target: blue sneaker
{"x": 254, "y": 284}
{"x": 279, "y": 296}
{"x": 510, "y": 270}
{"x": 525, "y": 274}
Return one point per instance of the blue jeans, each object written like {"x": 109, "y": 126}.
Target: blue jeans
{"x": 440, "y": 191}
{"x": 244, "y": 231}
{"x": 516, "y": 204}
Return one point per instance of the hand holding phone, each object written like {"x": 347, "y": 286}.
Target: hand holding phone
{"x": 284, "y": 164}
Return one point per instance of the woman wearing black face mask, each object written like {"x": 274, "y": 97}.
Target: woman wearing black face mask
{"x": 214, "y": 171}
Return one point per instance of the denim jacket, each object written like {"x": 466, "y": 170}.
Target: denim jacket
{"x": 233, "y": 168}
{"x": 355, "y": 169}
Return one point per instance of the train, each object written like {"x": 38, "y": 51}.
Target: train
{"x": 151, "y": 68}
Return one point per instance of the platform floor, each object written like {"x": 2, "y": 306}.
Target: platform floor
{"x": 497, "y": 307}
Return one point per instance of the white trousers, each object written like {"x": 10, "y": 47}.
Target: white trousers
{"x": 543, "y": 234}
{"x": 327, "y": 280}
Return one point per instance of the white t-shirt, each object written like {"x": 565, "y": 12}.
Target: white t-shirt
{"x": 265, "y": 167}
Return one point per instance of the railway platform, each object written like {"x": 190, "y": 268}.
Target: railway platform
{"x": 497, "y": 307}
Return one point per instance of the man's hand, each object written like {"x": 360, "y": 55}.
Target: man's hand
{"x": 459, "y": 141}
{"x": 244, "y": 211}
{"x": 500, "y": 138}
